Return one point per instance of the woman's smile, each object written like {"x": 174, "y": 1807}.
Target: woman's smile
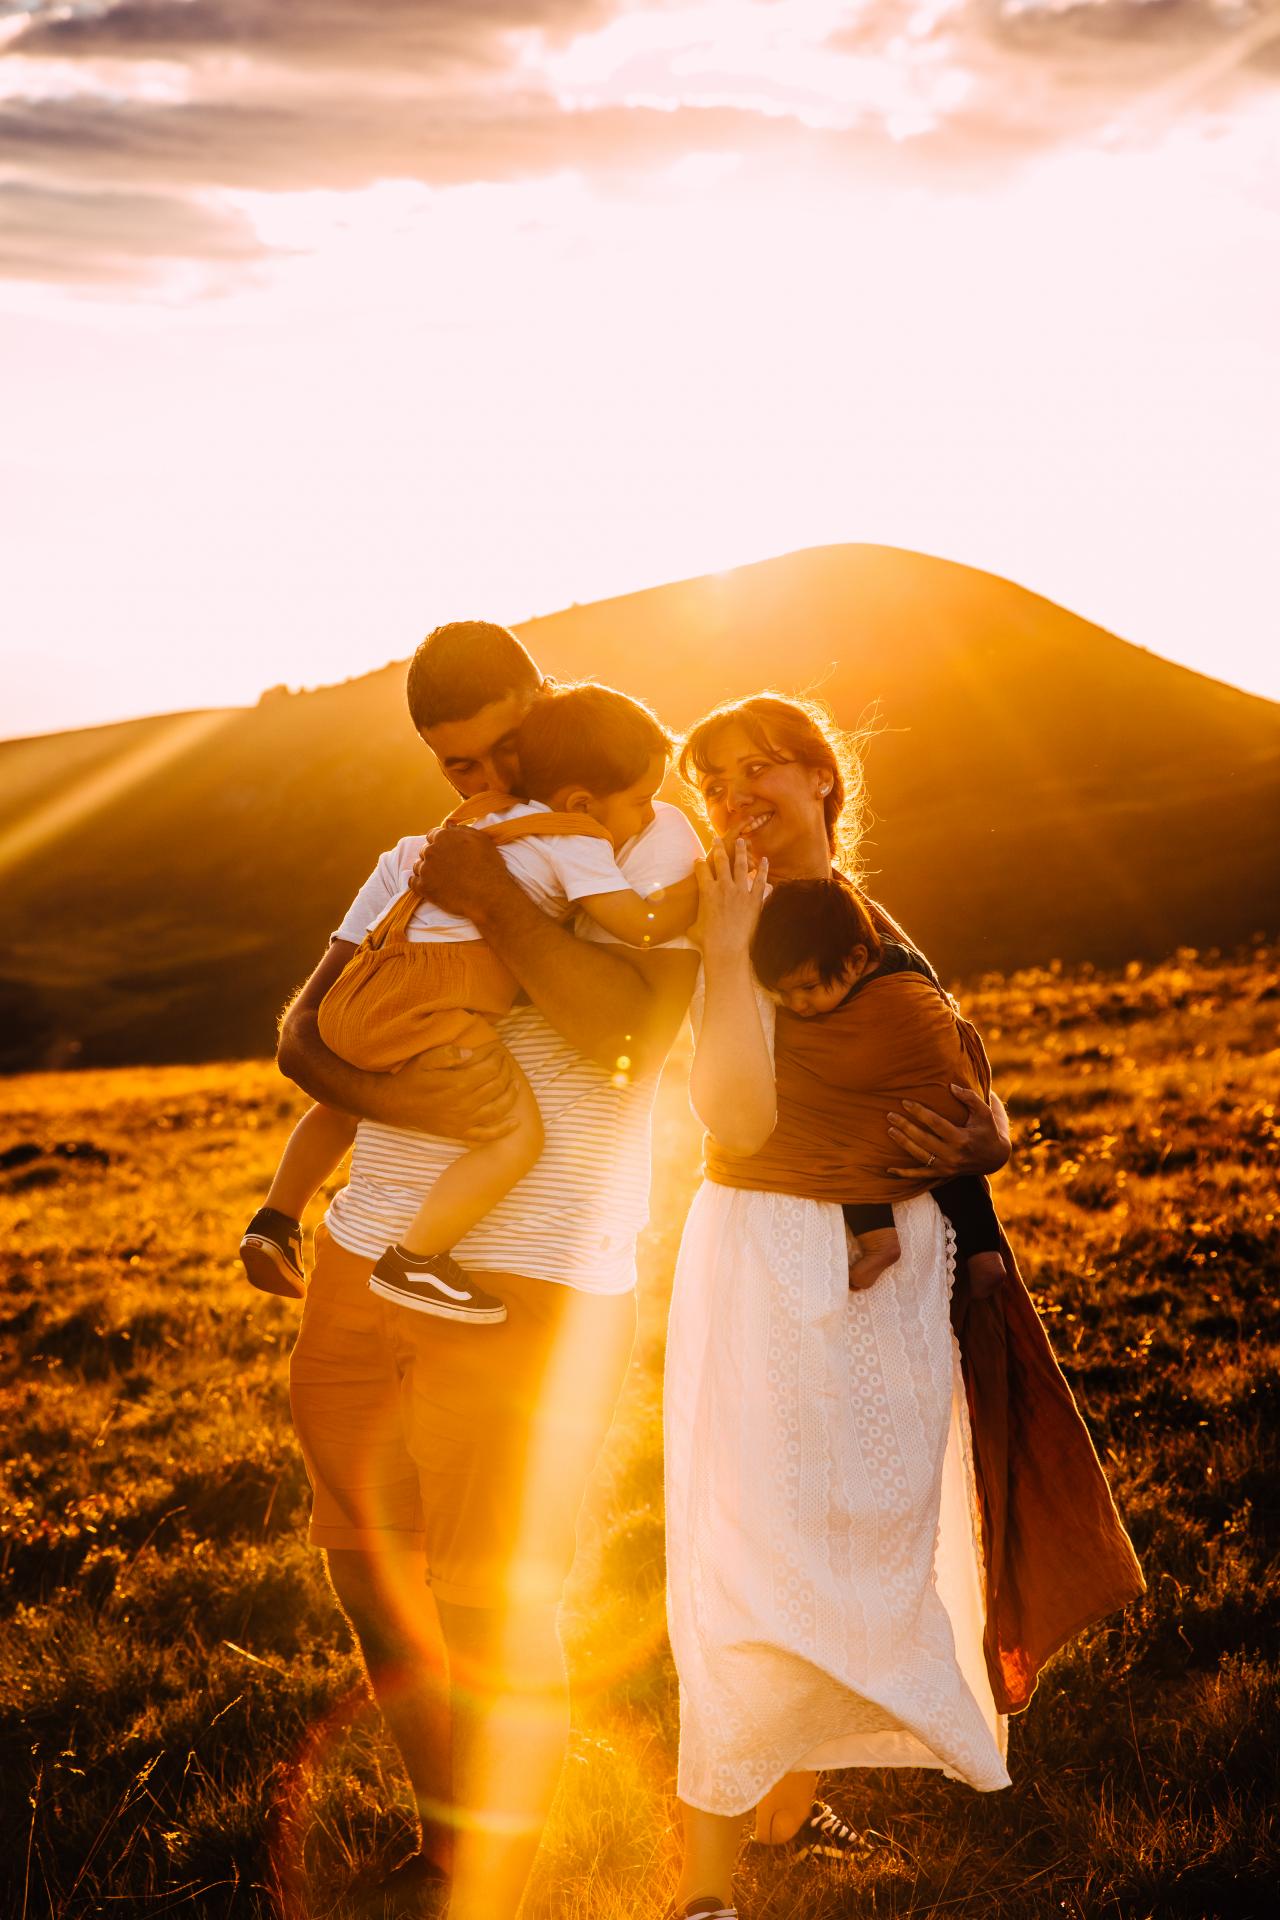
{"x": 755, "y": 824}
{"x": 770, "y": 801}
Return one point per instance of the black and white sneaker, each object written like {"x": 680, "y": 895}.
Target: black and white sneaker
{"x": 706, "y": 1907}
{"x": 826, "y": 1836}
{"x": 433, "y": 1283}
{"x": 272, "y": 1254}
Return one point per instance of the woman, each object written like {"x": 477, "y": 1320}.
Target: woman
{"x": 826, "y": 1591}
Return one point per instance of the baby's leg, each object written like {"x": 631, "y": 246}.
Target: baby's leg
{"x": 986, "y": 1273}
{"x": 314, "y": 1150}
{"x": 870, "y": 1254}
{"x": 271, "y": 1249}
{"x": 473, "y": 1185}
{"x": 967, "y": 1204}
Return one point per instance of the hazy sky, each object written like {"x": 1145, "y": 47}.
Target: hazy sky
{"x": 324, "y": 320}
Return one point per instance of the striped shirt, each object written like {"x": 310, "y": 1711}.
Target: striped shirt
{"x": 575, "y": 1216}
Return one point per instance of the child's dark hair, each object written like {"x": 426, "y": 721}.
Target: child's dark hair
{"x": 811, "y": 923}
{"x": 588, "y": 736}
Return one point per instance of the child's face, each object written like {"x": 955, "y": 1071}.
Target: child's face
{"x": 624, "y": 815}
{"x": 804, "y": 993}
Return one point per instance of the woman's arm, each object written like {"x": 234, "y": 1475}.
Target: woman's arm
{"x": 731, "y": 1083}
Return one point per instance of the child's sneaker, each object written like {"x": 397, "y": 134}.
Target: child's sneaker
{"x": 272, "y": 1254}
{"x": 433, "y": 1283}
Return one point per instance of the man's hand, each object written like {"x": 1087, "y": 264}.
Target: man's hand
{"x": 981, "y": 1145}
{"x": 460, "y": 1093}
{"x": 460, "y": 870}
{"x": 450, "y": 1091}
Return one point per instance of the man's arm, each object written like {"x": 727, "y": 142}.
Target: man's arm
{"x": 440, "y": 1092}
{"x": 608, "y": 1002}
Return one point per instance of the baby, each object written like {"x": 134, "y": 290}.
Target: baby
{"x": 816, "y": 951}
{"x": 591, "y": 762}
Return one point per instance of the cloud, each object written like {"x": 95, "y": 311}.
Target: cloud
{"x": 146, "y": 110}
{"x": 340, "y": 142}
{"x": 1087, "y": 54}
{"x": 64, "y": 235}
{"x": 341, "y": 33}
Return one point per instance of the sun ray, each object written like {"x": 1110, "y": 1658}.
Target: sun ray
{"x": 176, "y": 735}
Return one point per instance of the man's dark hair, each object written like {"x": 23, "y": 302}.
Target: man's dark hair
{"x": 810, "y": 923}
{"x": 587, "y": 736}
{"x": 464, "y": 666}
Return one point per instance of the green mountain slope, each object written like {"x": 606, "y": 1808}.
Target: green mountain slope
{"x": 1041, "y": 790}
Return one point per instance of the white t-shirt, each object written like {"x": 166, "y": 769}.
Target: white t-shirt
{"x": 554, "y": 869}
{"x": 575, "y": 1216}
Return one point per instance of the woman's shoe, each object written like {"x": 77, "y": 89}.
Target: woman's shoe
{"x": 705, "y": 1907}
{"x": 826, "y": 1836}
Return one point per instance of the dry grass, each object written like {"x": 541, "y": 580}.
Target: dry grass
{"x": 182, "y": 1720}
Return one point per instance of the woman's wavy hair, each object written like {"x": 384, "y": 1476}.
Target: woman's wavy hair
{"x": 792, "y": 729}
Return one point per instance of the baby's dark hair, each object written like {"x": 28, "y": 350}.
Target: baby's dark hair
{"x": 588, "y": 736}
{"x": 811, "y": 923}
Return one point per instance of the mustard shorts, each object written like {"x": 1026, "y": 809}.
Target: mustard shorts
{"x": 471, "y": 1443}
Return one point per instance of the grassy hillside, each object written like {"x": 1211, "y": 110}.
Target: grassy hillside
{"x": 181, "y": 1721}
{"x": 1041, "y": 791}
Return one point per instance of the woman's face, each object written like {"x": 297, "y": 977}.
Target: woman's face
{"x": 774, "y": 803}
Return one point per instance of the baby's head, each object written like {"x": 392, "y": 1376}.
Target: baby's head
{"x": 593, "y": 750}
{"x": 812, "y": 941}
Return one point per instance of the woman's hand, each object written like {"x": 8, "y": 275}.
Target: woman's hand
{"x": 730, "y": 895}
{"x": 981, "y": 1145}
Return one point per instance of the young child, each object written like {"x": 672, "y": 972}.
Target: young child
{"x": 591, "y": 761}
{"x": 817, "y": 952}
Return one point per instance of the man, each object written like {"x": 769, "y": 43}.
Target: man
{"x": 448, "y": 1460}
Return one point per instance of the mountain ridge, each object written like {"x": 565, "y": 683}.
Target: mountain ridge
{"x": 1040, "y": 789}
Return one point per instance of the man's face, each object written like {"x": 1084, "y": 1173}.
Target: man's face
{"x": 478, "y": 755}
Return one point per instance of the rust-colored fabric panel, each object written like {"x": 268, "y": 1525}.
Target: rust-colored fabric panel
{"x": 899, "y": 1038}
{"x": 1057, "y": 1554}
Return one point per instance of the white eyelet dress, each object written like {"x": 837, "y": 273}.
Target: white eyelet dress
{"x": 824, "y": 1579}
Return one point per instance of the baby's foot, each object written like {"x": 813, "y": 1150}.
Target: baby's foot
{"x": 271, "y": 1252}
{"x": 433, "y": 1283}
{"x": 986, "y": 1274}
{"x": 867, "y": 1268}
